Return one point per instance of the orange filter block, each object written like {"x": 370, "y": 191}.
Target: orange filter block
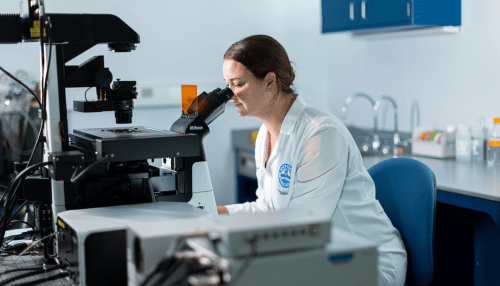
{"x": 189, "y": 99}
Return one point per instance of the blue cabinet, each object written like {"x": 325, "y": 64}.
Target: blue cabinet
{"x": 350, "y": 15}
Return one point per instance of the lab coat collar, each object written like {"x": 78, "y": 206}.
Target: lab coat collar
{"x": 292, "y": 116}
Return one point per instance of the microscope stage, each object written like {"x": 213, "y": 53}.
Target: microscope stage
{"x": 136, "y": 143}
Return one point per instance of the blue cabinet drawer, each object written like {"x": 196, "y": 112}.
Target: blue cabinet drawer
{"x": 350, "y": 15}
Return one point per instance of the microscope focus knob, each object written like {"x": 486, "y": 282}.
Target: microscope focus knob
{"x": 103, "y": 77}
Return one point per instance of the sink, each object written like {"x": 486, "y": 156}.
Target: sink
{"x": 372, "y": 153}
{"x": 363, "y": 138}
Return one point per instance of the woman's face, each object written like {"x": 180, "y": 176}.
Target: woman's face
{"x": 251, "y": 95}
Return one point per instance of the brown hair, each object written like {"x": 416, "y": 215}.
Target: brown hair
{"x": 262, "y": 54}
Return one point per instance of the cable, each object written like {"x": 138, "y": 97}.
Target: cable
{"x": 86, "y": 94}
{"x": 16, "y": 181}
{"x": 10, "y": 198}
{"x": 41, "y": 13}
{"x": 12, "y": 239}
{"x": 37, "y": 143}
{"x": 23, "y": 85}
{"x": 23, "y": 269}
{"x": 3, "y": 195}
{"x": 74, "y": 179}
{"x": 50, "y": 58}
{"x": 246, "y": 262}
{"x": 46, "y": 279}
{"x": 19, "y": 209}
{"x": 15, "y": 248}
{"x": 30, "y": 247}
{"x": 34, "y": 272}
{"x": 30, "y": 122}
{"x": 47, "y": 248}
{"x": 163, "y": 265}
{"x": 90, "y": 104}
{"x": 9, "y": 205}
{"x": 175, "y": 274}
{"x": 23, "y": 174}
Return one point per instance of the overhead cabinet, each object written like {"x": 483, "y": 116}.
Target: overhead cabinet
{"x": 349, "y": 15}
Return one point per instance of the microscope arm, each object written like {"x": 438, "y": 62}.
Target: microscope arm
{"x": 79, "y": 32}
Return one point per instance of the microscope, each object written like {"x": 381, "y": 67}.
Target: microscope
{"x": 101, "y": 167}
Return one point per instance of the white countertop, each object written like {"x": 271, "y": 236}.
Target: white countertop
{"x": 474, "y": 179}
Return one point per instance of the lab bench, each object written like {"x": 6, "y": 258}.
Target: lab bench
{"x": 467, "y": 241}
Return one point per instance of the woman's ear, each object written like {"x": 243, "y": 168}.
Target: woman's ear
{"x": 270, "y": 80}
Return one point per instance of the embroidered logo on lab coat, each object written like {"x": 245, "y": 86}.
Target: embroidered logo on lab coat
{"x": 284, "y": 175}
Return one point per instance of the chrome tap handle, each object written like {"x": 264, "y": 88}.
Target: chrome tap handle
{"x": 376, "y": 142}
{"x": 396, "y": 141}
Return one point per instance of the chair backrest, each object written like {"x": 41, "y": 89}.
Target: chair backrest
{"x": 406, "y": 189}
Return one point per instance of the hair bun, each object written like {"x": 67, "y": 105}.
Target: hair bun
{"x": 262, "y": 54}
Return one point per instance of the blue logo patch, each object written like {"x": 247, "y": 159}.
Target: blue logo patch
{"x": 284, "y": 176}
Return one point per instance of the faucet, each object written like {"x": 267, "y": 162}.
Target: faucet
{"x": 396, "y": 138}
{"x": 348, "y": 101}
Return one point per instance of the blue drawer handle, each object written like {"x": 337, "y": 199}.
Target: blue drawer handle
{"x": 340, "y": 257}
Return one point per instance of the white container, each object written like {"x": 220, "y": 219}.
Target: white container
{"x": 463, "y": 144}
{"x": 494, "y": 144}
{"x": 433, "y": 143}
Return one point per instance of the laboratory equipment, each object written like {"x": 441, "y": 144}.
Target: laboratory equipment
{"x": 494, "y": 144}
{"x": 98, "y": 167}
{"x": 247, "y": 249}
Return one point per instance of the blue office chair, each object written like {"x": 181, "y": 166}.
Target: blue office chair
{"x": 406, "y": 189}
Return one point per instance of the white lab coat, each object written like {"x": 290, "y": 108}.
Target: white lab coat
{"x": 315, "y": 164}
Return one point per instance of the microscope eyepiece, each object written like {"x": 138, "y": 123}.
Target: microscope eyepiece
{"x": 211, "y": 105}
{"x": 226, "y": 94}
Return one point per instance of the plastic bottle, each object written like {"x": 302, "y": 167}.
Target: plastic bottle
{"x": 485, "y": 136}
{"x": 477, "y": 143}
{"x": 463, "y": 144}
{"x": 494, "y": 144}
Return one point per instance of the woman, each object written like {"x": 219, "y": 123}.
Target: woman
{"x": 306, "y": 158}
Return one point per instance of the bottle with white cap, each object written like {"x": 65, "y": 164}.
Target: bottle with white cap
{"x": 494, "y": 144}
{"x": 463, "y": 144}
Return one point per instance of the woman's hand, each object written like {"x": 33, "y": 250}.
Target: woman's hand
{"x": 222, "y": 210}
